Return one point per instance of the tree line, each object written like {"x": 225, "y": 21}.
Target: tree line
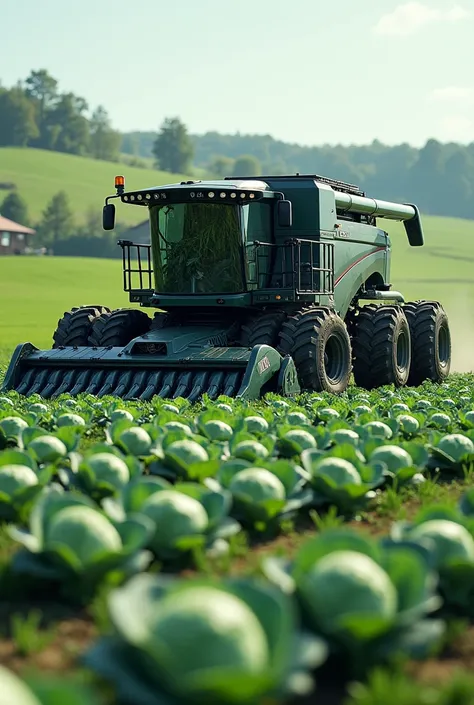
{"x": 438, "y": 177}
{"x": 34, "y": 113}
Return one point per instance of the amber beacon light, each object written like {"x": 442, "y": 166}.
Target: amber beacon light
{"x": 120, "y": 184}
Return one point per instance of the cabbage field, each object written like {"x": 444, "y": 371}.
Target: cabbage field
{"x": 309, "y": 550}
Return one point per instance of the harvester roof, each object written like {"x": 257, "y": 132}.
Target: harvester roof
{"x": 217, "y": 189}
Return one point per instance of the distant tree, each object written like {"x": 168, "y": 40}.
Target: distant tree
{"x": 221, "y": 166}
{"x": 69, "y": 124}
{"x": 14, "y": 207}
{"x": 105, "y": 142}
{"x": 91, "y": 225}
{"x": 459, "y": 184}
{"x": 173, "y": 148}
{"x": 247, "y": 165}
{"x": 58, "y": 220}
{"x": 17, "y": 119}
{"x": 427, "y": 177}
{"x": 130, "y": 144}
{"x": 42, "y": 89}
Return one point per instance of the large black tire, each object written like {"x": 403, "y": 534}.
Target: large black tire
{"x": 75, "y": 327}
{"x": 118, "y": 328}
{"x": 262, "y": 330}
{"x": 318, "y": 341}
{"x": 381, "y": 345}
{"x": 430, "y": 342}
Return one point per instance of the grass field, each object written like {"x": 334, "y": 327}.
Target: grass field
{"x": 39, "y": 174}
{"x": 39, "y": 290}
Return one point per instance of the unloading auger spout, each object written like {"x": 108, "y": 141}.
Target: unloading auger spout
{"x": 408, "y": 213}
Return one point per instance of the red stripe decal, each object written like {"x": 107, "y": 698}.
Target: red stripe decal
{"x": 367, "y": 254}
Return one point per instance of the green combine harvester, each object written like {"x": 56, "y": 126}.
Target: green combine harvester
{"x": 256, "y": 285}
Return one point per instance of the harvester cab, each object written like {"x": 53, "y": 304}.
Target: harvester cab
{"x": 258, "y": 284}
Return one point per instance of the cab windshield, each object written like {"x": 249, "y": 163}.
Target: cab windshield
{"x": 197, "y": 248}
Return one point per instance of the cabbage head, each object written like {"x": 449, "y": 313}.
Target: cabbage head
{"x": 198, "y": 641}
{"x": 345, "y": 583}
{"x": 209, "y": 629}
{"x": 175, "y": 516}
{"x": 13, "y": 691}
{"x": 19, "y": 486}
{"x": 84, "y": 529}
{"x": 259, "y": 495}
{"x": 451, "y": 540}
{"x": 73, "y": 544}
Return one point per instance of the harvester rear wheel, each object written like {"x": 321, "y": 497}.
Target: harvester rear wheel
{"x": 263, "y": 330}
{"x": 430, "y": 342}
{"x": 75, "y": 326}
{"x": 119, "y": 327}
{"x": 318, "y": 341}
{"x": 381, "y": 346}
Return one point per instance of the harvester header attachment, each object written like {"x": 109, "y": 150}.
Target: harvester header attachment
{"x": 138, "y": 372}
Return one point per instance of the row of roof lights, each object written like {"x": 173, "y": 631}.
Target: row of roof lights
{"x": 200, "y": 194}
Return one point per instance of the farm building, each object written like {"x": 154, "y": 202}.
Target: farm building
{"x": 14, "y": 238}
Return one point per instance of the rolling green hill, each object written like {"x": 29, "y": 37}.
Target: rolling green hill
{"x": 39, "y": 290}
{"x": 39, "y": 174}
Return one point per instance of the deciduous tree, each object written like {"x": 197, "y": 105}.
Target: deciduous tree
{"x": 15, "y": 208}
{"x": 58, "y": 220}
{"x": 173, "y": 148}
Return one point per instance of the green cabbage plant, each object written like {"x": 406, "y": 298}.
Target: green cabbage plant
{"x": 264, "y": 492}
{"x": 371, "y": 601}
{"x": 202, "y": 641}
{"x": 20, "y": 484}
{"x": 75, "y": 546}
{"x": 403, "y": 463}
{"x": 342, "y": 477}
{"x": 102, "y": 472}
{"x": 185, "y": 516}
{"x": 452, "y": 452}
{"x": 43, "y": 691}
{"x": 447, "y": 536}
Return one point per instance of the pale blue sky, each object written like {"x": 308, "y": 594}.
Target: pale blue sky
{"x": 305, "y": 71}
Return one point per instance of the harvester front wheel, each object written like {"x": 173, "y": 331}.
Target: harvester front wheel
{"x": 262, "y": 330}
{"x": 318, "y": 341}
{"x": 74, "y": 328}
{"x": 381, "y": 346}
{"x": 430, "y": 342}
{"x": 119, "y": 327}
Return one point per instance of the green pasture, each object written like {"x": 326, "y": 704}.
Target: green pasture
{"x": 35, "y": 292}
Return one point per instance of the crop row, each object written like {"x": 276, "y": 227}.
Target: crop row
{"x": 101, "y": 492}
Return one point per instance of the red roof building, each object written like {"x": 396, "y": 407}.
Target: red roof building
{"x": 14, "y": 238}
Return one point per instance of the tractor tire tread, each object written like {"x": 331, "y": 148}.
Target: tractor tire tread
{"x": 375, "y": 330}
{"x": 424, "y": 318}
{"x": 117, "y": 328}
{"x": 75, "y": 326}
{"x": 299, "y": 337}
{"x": 263, "y": 329}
